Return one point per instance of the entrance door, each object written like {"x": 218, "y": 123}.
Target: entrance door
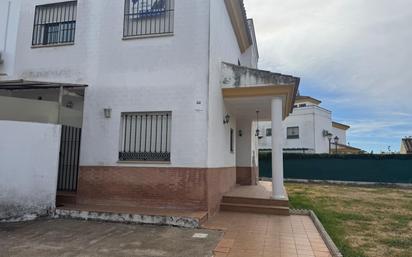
{"x": 69, "y": 159}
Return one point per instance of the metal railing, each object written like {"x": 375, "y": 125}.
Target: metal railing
{"x": 146, "y": 136}
{"x": 148, "y": 17}
{"x": 54, "y": 23}
{"x": 69, "y": 159}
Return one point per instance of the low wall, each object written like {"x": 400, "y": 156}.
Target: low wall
{"x": 358, "y": 168}
{"x": 29, "y": 159}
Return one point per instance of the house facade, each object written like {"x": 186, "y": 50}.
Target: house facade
{"x": 156, "y": 88}
{"x": 309, "y": 129}
{"x": 406, "y": 145}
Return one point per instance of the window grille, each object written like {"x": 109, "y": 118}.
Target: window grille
{"x": 54, "y": 23}
{"x": 292, "y": 132}
{"x": 269, "y": 132}
{"x": 145, "y": 136}
{"x": 148, "y": 17}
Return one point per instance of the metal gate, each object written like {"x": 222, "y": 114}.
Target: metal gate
{"x": 69, "y": 159}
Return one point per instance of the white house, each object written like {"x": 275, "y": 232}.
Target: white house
{"x": 308, "y": 129}
{"x": 406, "y": 145}
{"x": 165, "y": 93}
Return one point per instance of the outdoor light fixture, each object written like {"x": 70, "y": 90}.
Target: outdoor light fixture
{"x": 240, "y": 132}
{"x": 336, "y": 140}
{"x": 257, "y": 125}
{"x": 226, "y": 119}
{"x": 107, "y": 112}
{"x": 329, "y": 135}
{"x": 69, "y": 105}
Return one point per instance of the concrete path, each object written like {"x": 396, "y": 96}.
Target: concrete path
{"x": 67, "y": 238}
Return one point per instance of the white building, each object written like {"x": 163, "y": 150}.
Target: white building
{"x": 165, "y": 93}
{"x": 308, "y": 129}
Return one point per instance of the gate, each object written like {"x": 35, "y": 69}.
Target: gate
{"x": 69, "y": 159}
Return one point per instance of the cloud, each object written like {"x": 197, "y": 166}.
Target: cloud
{"x": 355, "y": 54}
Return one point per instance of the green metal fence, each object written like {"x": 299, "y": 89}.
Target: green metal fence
{"x": 360, "y": 168}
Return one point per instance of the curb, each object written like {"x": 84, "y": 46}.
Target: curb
{"x": 325, "y": 236}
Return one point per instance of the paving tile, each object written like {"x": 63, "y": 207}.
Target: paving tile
{"x": 261, "y": 235}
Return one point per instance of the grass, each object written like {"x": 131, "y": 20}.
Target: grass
{"x": 362, "y": 221}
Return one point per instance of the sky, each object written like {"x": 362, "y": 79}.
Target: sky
{"x": 354, "y": 55}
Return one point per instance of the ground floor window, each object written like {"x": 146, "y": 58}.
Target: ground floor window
{"x": 145, "y": 136}
{"x": 292, "y": 132}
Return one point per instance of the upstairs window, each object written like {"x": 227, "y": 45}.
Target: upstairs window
{"x": 54, "y": 23}
{"x": 292, "y": 132}
{"x": 145, "y": 136}
{"x": 148, "y": 17}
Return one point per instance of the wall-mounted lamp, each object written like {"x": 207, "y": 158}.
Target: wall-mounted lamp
{"x": 240, "y": 132}
{"x": 226, "y": 119}
{"x": 69, "y": 105}
{"x": 107, "y": 112}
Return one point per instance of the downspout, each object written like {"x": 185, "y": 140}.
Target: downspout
{"x": 7, "y": 26}
{"x": 6, "y": 33}
{"x": 208, "y": 83}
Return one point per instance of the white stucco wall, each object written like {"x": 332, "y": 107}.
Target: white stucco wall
{"x": 223, "y": 48}
{"x": 178, "y": 73}
{"x": 9, "y": 20}
{"x": 341, "y": 133}
{"x": 29, "y": 159}
{"x": 146, "y": 74}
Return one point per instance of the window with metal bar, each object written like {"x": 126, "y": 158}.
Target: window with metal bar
{"x": 148, "y": 17}
{"x": 145, "y": 136}
{"x": 54, "y": 23}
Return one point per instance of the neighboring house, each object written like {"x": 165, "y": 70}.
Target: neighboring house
{"x": 309, "y": 129}
{"x": 406, "y": 145}
{"x": 162, "y": 95}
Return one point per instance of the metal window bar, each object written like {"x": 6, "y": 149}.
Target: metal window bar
{"x": 69, "y": 159}
{"x": 145, "y": 136}
{"x": 54, "y": 23}
{"x": 148, "y": 17}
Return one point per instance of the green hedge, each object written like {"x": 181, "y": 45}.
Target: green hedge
{"x": 392, "y": 168}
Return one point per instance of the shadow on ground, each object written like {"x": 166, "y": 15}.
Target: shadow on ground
{"x": 56, "y": 237}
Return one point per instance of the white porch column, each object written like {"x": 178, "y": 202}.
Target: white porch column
{"x": 277, "y": 149}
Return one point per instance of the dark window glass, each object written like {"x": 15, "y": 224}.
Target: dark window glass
{"x": 292, "y": 132}
{"x": 54, "y": 23}
{"x": 269, "y": 132}
{"x": 146, "y": 136}
{"x": 148, "y": 17}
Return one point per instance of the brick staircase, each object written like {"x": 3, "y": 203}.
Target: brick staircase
{"x": 255, "y": 205}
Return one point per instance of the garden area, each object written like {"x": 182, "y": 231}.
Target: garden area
{"x": 362, "y": 221}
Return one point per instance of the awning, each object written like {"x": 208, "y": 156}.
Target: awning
{"x": 246, "y": 90}
{"x": 21, "y": 84}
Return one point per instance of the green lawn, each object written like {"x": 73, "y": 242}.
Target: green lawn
{"x": 362, "y": 221}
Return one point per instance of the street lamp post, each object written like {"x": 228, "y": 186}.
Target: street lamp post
{"x": 330, "y": 144}
{"x": 336, "y": 140}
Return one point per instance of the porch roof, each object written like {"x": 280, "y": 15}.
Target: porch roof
{"x": 246, "y": 90}
{"x": 21, "y": 84}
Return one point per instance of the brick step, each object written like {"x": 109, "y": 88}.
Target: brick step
{"x": 253, "y": 208}
{"x": 64, "y": 198}
{"x": 255, "y": 201}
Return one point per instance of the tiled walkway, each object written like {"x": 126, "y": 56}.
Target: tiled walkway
{"x": 259, "y": 235}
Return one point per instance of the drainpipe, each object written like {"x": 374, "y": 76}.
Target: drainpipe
{"x": 6, "y": 32}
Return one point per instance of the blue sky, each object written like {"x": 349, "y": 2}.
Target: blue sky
{"x": 354, "y": 55}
